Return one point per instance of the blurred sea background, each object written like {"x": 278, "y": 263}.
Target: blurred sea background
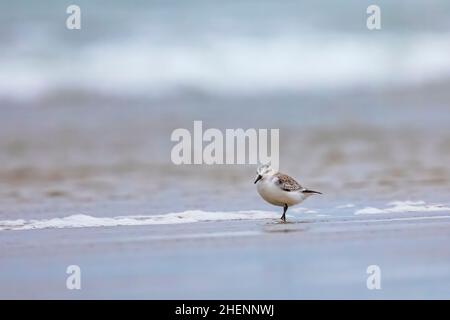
{"x": 86, "y": 118}
{"x": 86, "y": 115}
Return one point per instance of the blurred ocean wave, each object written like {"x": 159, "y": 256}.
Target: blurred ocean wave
{"x": 232, "y": 66}
{"x": 164, "y": 48}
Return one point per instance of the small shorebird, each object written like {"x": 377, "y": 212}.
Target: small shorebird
{"x": 279, "y": 189}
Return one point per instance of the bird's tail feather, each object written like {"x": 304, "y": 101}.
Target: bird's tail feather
{"x": 311, "y": 191}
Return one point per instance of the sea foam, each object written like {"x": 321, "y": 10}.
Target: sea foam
{"x": 404, "y": 206}
{"x": 85, "y": 221}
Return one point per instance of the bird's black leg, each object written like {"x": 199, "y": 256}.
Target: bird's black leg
{"x": 283, "y": 217}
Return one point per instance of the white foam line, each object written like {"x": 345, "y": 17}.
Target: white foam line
{"x": 404, "y": 206}
{"x": 191, "y": 216}
{"x": 85, "y": 221}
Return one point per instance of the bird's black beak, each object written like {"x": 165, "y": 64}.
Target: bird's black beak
{"x": 258, "y": 178}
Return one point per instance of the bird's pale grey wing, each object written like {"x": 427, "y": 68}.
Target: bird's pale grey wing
{"x": 287, "y": 183}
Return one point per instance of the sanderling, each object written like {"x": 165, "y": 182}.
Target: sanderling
{"x": 280, "y": 189}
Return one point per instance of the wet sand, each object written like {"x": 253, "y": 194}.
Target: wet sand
{"x": 308, "y": 258}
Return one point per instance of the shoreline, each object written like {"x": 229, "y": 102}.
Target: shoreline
{"x": 255, "y": 259}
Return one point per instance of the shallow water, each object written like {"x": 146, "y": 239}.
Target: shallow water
{"x": 86, "y": 117}
{"x": 64, "y": 159}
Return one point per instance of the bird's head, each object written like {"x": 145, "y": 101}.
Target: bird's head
{"x": 263, "y": 171}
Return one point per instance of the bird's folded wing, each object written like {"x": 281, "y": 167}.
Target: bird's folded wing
{"x": 287, "y": 183}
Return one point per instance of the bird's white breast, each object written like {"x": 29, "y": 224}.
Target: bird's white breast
{"x": 272, "y": 193}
